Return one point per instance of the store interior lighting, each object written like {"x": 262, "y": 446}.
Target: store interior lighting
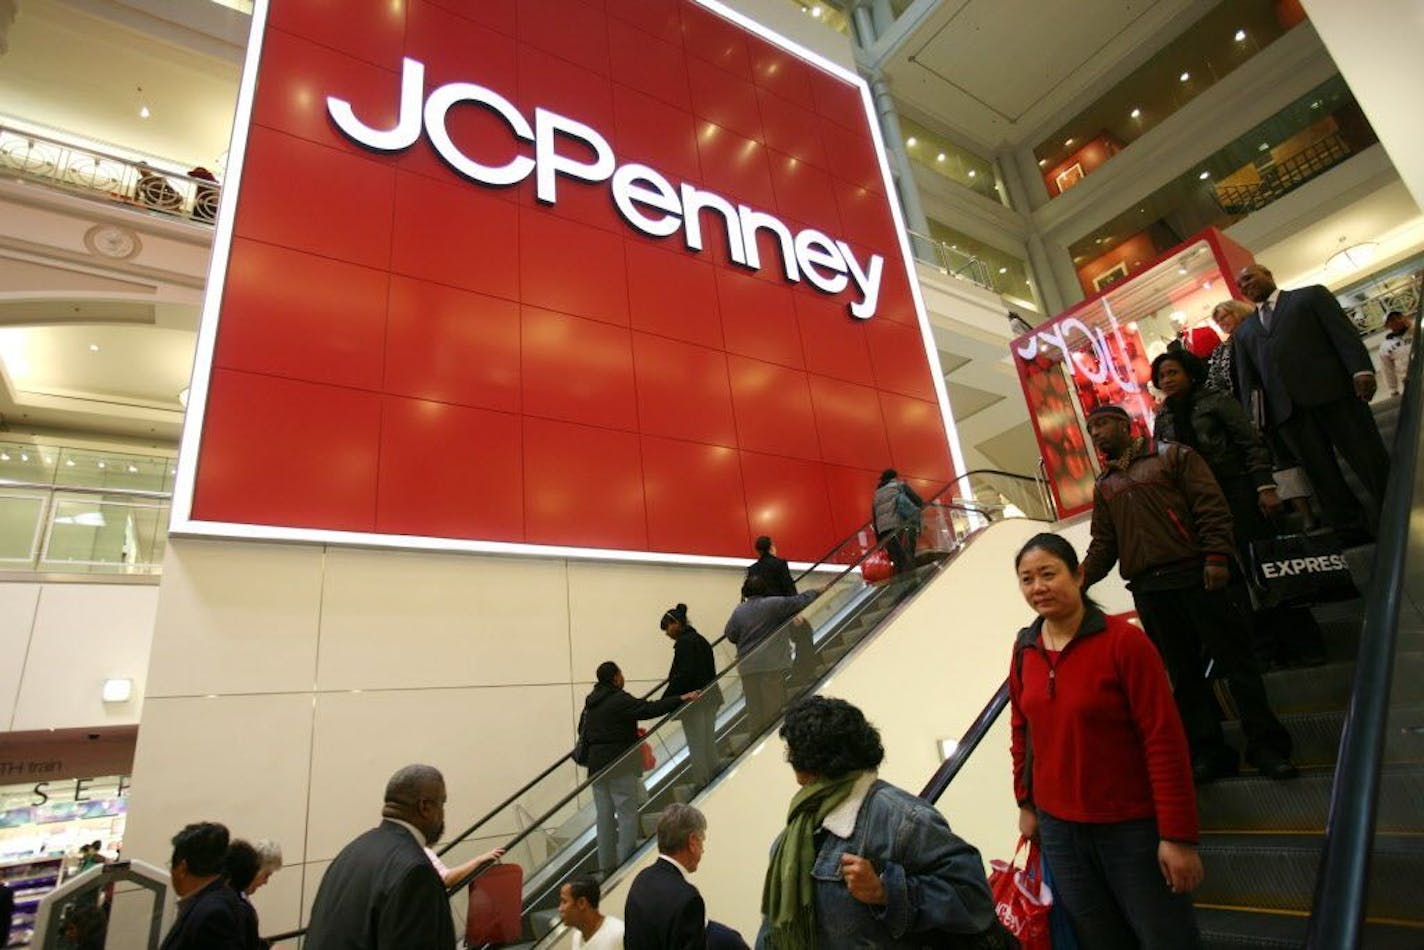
{"x": 118, "y": 690}
{"x": 1352, "y": 258}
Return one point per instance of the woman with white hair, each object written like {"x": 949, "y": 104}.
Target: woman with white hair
{"x": 1220, "y": 364}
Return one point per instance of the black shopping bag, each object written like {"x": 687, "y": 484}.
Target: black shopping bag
{"x": 1300, "y": 569}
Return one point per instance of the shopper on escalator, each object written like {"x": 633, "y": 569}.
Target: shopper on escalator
{"x": 758, "y": 628}
{"x": 1101, "y": 769}
{"x": 694, "y": 669}
{"x": 610, "y": 729}
{"x": 895, "y": 514}
{"x": 1212, "y": 422}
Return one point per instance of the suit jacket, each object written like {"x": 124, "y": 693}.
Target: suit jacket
{"x": 1308, "y": 357}
{"x": 663, "y": 911}
{"x": 777, "y": 574}
{"x": 213, "y": 918}
{"x": 381, "y": 893}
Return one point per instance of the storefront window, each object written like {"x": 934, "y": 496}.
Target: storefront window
{"x": 1209, "y": 50}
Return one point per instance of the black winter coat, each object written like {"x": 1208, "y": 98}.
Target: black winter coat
{"x": 611, "y": 723}
{"x": 777, "y": 574}
{"x": 693, "y": 665}
{"x": 1224, "y": 437}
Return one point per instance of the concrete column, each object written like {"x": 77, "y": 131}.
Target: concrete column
{"x": 1376, "y": 47}
{"x": 915, "y": 218}
{"x": 1045, "y": 279}
{"x": 1065, "y": 274}
{"x": 882, "y": 16}
{"x": 862, "y": 23}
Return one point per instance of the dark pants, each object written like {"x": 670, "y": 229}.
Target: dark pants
{"x": 1346, "y": 425}
{"x": 1279, "y": 635}
{"x": 901, "y": 548}
{"x": 765, "y": 693}
{"x": 1184, "y": 622}
{"x": 1108, "y": 880}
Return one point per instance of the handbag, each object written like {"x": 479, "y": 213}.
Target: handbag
{"x": 645, "y": 752}
{"x": 1300, "y": 569}
{"x": 495, "y": 909}
{"x": 876, "y": 567}
{"x": 1021, "y": 898}
{"x": 580, "y": 752}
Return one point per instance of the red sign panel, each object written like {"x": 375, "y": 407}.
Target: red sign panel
{"x": 539, "y": 275}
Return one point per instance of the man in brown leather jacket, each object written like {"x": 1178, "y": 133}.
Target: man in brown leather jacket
{"x": 1159, "y": 513}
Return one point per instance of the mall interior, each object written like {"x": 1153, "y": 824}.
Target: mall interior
{"x": 444, "y": 458}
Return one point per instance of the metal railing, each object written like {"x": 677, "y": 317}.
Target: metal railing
{"x": 99, "y": 175}
{"x": 1284, "y": 176}
{"x": 1342, "y": 887}
{"x": 951, "y": 261}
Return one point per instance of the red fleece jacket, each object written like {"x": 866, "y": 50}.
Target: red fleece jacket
{"x": 1107, "y": 742}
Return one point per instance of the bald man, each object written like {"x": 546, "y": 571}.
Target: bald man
{"x": 382, "y": 892}
{"x": 1302, "y": 355}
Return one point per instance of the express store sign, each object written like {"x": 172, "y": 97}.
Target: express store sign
{"x": 553, "y": 276}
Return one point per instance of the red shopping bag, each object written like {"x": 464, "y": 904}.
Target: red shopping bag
{"x": 1021, "y": 899}
{"x": 496, "y": 905}
{"x": 646, "y": 751}
{"x": 876, "y": 567}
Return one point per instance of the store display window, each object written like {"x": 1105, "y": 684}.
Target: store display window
{"x": 46, "y": 830}
{"x": 1101, "y": 350}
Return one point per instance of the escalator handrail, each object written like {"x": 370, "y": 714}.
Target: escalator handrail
{"x": 974, "y": 735}
{"x": 588, "y": 781}
{"x": 715, "y": 643}
{"x": 1342, "y": 883}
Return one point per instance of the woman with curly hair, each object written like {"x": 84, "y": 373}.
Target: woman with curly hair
{"x": 862, "y": 863}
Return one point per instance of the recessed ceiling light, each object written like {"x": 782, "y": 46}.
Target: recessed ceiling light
{"x": 816, "y": 12}
{"x": 103, "y": 464}
{"x": 93, "y": 347}
{"x": 1240, "y": 35}
{"x": 4, "y": 456}
{"x": 1003, "y": 270}
{"x": 24, "y": 457}
{"x": 1315, "y": 104}
{"x": 1263, "y": 147}
{"x": 1182, "y": 269}
{"x": 1206, "y": 285}
{"x": 133, "y": 469}
{"x": 954, "y": 247}
{"x": 1185, "y": 76}
{"x": 69, "y": 463}
{"x": 1204, "y": 176}
{"x": 912, "y": 141}
{"x": 143, "y": 112}
{"x": 939, "y": 157}
{"x": 972, "y": 173}
{"x": 1068, "y": 143}
{"x": 1042, "y": 162}
{"x": 1137, "y": 113}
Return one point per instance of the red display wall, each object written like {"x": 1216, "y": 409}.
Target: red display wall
{"x": 398, "y": 350}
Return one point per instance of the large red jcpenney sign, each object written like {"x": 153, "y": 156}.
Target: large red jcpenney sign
{"x": 572, "y": 277}
{"x": 645, "y": 197}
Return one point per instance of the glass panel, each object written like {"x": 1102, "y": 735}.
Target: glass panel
{"x": 951, "y": 161}
{"x": 23, "y": 462}
{"x": 105, "y": 532}
{"x": 21, "y": 526}
{"x": 997, "y": 270}
{"x": 86, "y": 468}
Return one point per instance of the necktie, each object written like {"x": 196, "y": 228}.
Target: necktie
{"x": 1266, "y": 315}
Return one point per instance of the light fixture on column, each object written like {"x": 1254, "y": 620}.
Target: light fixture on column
{"x": 1351, "y": 258}
{"x": 143, "y": 112}
{"x": 118, "y": 690}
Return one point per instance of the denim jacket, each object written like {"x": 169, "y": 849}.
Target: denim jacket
{"x": 934, "y": 880}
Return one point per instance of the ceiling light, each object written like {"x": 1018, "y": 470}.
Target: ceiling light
{"x": 1069, "y": 143}
{"x": 4, "y": 456}
{"x": 816, "y": 12}
{"x": 954, "y": 247}
{"x": 972, "y": 173}
{"x": 1204, "y": 176}
{"x": 103, "y": 464}
{"x": 143, "y": 112}
{"x": 1352, "y": 258}
{"x": 1182, "y": 269}
{"x": 93, "y": 347}
{"x": 1185, "y": 76}
{"x": 912, "y": 141}
{"x": 1206, "y": 285}
{"x": 939, "y": 157}
{"x": 1315, "y": 104}
{"x": 1137, "y": 113}
{"x": 24, "y": 457}
{"x": 117, "y": 690}
{"x": 1003, "y": 270}
{"x": 69, "y": 463}
{"x": 1042, "y": 162}
{"x": 1132, "y": 326}
{"x": 1263, "y": 147}
{"x": 133, "y": 469}
{"x": 1240, "y": 35}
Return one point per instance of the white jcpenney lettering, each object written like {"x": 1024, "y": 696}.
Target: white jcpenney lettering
{"x": 645, "y": 198}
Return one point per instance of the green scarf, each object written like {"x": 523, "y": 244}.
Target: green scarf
{"x": 788, "y": 898}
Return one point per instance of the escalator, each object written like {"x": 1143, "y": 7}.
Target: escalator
{"x": 548, "y": 826}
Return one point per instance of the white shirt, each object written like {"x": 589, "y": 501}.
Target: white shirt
{"x": 608, "y": 936}
{"x": 415, "y": 832}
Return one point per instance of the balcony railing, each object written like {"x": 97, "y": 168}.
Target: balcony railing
{"x": 98, "y": 175}
{"x": 951, "y": 262}
{"x": 1284, "y": 176}
{"x": 80, "y": 511}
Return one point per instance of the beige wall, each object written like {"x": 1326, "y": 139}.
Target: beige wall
{"x": 287, "y": 682}
{"x": 60, "y": 642}
{"x": 921, "y": 679}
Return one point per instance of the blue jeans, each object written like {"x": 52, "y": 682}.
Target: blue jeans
{"x": 1108, "y": 880}
{"x": 615, "y": 801}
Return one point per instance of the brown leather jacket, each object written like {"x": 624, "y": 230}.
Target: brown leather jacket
{"x": 1166, "y": 510}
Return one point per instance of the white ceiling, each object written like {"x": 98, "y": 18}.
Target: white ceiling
{"x": 80, "y": 67}
{"x": 996, "y": 71}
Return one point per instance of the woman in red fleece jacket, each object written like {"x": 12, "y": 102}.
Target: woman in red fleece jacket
{"x": 1101, "y": 768}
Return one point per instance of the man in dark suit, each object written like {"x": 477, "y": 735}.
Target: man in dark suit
{"x": 1302, "y": 354}
{"x": 210, "y": 914}
{"x": 664, "y": 911}
{"x": 382, "y": 892}
{"x": 774, "y": 570}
